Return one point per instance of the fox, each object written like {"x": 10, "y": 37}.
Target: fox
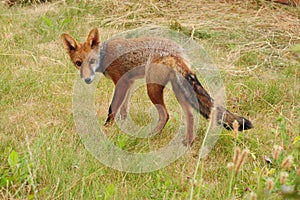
{"x": 158, "y": 61}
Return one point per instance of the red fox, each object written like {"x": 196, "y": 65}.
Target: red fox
{"x": 157, "y": 60}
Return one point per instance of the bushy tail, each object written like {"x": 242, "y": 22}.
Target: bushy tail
{"x": 205, "y": 103}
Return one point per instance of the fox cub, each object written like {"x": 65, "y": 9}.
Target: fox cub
{"x": 157, "y": 60}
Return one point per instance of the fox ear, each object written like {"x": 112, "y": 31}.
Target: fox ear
{"x": 70, "y": 43}
{"x": 93, "y": 39}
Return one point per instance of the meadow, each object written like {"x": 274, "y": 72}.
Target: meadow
{"x": 256, "y": 46}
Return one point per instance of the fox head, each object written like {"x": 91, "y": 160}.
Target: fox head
{"x": 85, "y": 56}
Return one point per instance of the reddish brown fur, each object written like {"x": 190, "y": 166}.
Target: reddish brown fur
{"x": 159, "y": 61}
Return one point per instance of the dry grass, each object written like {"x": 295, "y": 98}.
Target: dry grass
{"x": 255, "y": 44}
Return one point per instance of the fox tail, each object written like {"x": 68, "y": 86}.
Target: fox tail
{"x": 200, "y": 100}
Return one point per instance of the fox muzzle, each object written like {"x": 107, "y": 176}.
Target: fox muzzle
{"x": 87, "y": 76}
{"x": 88, "y": 80}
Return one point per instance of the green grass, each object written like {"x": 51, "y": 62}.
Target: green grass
{"x": 256, "y": 47}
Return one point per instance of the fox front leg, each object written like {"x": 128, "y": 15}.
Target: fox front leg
{"x": 123, "y": 109}
{"x": 109, "y": 119}
{"x": 125, "y": 106}
{"x": 120, "y": 95}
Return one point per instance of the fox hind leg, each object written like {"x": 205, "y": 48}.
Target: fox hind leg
{"x": 157, "y": 76}
{"x": 155, "y": 93}
{"x": 187, "y": 109}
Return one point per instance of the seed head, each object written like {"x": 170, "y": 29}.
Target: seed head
{"x": 283, "y": 177}
{"x": 236, "y": 155}
{"x": 287, "y": 162}
{"x": 235, "y": 126}
{"x": 230, "y": 165}
{"x": 241, "y": 160}
{"x": 276, "y": 151}
{"x": 270, "y": 184}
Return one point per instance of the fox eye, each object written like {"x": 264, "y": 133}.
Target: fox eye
{"x": 78, "y": 63}
{"x": 92, "y": 61}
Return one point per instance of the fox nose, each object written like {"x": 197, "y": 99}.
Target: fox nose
{"x": 88, "y": 80}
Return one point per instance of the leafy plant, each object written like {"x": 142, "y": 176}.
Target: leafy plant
{"x": 16, "y": 173}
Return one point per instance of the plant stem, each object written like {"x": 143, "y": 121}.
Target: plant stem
{"x": 201, "y": 153}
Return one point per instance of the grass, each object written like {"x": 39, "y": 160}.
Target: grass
{"x": 255, "y": 44}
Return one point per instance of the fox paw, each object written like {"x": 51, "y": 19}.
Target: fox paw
{"x": 123, "y": 116}
{"x": 108, "y": 123}
{"x": 187, "y": 142}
